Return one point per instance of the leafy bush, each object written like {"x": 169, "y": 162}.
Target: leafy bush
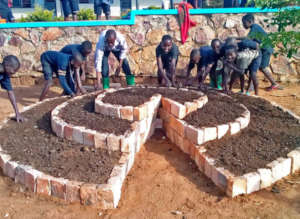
{"x": 86, "y": 14}
{"x": 39, "y": 14}
{"x": 287, "y": 21}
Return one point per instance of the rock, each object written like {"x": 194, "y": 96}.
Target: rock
{"x": 149, "y": 68}
{"x": 2, "y": 40}
{"x": 173, "y": 23}
{"x": 26, "y": 65}
{"x": 204, "y": 35}
{"x": 10, "y": 50}
{"x": 200, "y": 19}
{"x": 230, "y": 23}
{"x": 27, "y": 47}
{"x": 148, "y": 53}
{"x": 185, "y": 49}
{"x": 281, "y": 66}
{"x": 22, "y": 33}
{"x": 137, "y": 38}
{"x": 35, "y": 36}
{"x": 52, "y": 33}
{"x": 218, "y": 20}
{"x": 154, "y": 36}
{"x": 225, "y": 33}
{"x": 15, "y": 41}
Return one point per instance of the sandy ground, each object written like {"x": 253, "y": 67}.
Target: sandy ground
{"x": 164, "y": 183}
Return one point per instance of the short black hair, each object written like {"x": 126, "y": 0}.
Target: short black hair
{"x": 214, "y": 41}
{"x": 195, "y": 52}
{"x": 86, "y": 46}
{"x": 110, "y": 33}
{"x": 166, "y": 37}
{"x": 230, "y": 41}
{"x": 11, "y": 61}
{"x": 230, "y": 47}
{"x": 77, "y": 57}
{"x": 248, "y": 17}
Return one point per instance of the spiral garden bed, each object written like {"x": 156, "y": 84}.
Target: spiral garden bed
{"x": 98, "y": 135}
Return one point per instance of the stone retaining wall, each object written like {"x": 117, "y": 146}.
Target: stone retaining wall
{"x": 143, "y": 37}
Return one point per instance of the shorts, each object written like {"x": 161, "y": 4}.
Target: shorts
{"x": 265, "y": 59}
{"x": 70, "y": 7}
{"x": 255, "y": 64}
{"x": 99, "y": 7}
{"x": 48, "y": 69}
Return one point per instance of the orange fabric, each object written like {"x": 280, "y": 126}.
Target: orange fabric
{"x": 184, "y": 20}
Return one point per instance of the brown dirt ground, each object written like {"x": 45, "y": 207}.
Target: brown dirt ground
{"x": 162, "y": 180}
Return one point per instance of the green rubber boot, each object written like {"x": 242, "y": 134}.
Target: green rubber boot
{"x": 130, "y": 80}
{"x": 219, "y": 82}
{"x": 105, "y": 82}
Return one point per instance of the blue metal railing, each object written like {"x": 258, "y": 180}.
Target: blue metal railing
{"x": 134, "y": 13}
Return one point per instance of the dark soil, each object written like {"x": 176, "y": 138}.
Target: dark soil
{"x": 138, "y": 96}
{"x": 81, "y": 113}
{"x": 218, "y": 110}
{"x": 33, "y": 143}
{"x": 271, "y": 134}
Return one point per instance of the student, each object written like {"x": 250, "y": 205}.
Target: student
{"x": 195, "y": 58}
{"x": 166, "y": 56}
{"x": 6, "y": 12}
{"x": 212, "y": 62}
{"x": 60, "y": 63}
{"x": 85, "y": 48}
{"x": 70, "y": 7}
{"x": 8, "y": 67}
{"x": 237, "y": 62}
{"x": 111, "y": 41}
{"x": 102, "y": 5}
{"x": 256, "y": 32}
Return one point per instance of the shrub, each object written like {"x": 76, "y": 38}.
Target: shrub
{"x": 86, "y": 14}
{"x": 39, "y": 14}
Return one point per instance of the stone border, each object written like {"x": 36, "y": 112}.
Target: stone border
{"x": 231, "y": 184}
{"x": 140, "y": 112}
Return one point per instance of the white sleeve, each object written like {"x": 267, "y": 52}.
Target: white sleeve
{"x": 99, "y": 52}
{"x": 124, "y": 46}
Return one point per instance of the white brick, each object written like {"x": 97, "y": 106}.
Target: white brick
{"x": 113, "y": 142}
{"x": 253, "y": 182}
{"x": 234, "y": 127}
{"x": 77, "y": 135}
{"x": 116, "y": 186}
{"x": 210, "y": 133}
{"x": 295, "y": 156}
{"x": 266, "y": 178}
{"x": 244, "y": 122}
{"x": 222, "y": 130}
{"x": 101, "y": 140}
{"x": 280, "y": 168}
{"x": 209, "y": 164}
{"x": 236, "y": 186}
{"x": 10, "y": 169}
{"x": 3, "y": 159}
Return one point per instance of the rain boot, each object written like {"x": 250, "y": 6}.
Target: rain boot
{"x": 130, "y": 80}
{"x": 219, "y": 82}
{"x": 105, "y": 82}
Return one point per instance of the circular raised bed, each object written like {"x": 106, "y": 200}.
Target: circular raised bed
{"x": 204, "y": 126}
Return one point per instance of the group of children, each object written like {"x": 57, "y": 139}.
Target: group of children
{"x": 224, "y": 62}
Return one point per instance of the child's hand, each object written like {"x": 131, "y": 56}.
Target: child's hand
{"x": 73, "y": 95}
{"x": 82, "y": 77}
{"x": 83, "y": 90}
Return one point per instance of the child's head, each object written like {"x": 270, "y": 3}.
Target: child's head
{"x": 230, "y": 53}
{"x": 77, "y": 60}
{"x": 231, "y": 41}
{"x": 195, "y": 56}
{"x": 216, "y": 45}
{"x": 248, "y": 20}
{"x": 86, "y": 48}
{"x": 11, "y": 64}
{"x": 166, "y": 43}
{"x": 110, "y": 38}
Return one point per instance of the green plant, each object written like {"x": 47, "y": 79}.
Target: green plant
{"x": 39, "y": 14}
{"x": 86, "y": 14}
{"x": 287, "y": 22}
{"x": 152, "y": 7}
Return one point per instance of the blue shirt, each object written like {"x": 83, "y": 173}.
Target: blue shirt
{"x": 5, "y": 82}
{"x": 71, "y": 49}
{"x": 59, "y": 60}
{"x": 208, "y": 56}
{"x": 255, "y": 32}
